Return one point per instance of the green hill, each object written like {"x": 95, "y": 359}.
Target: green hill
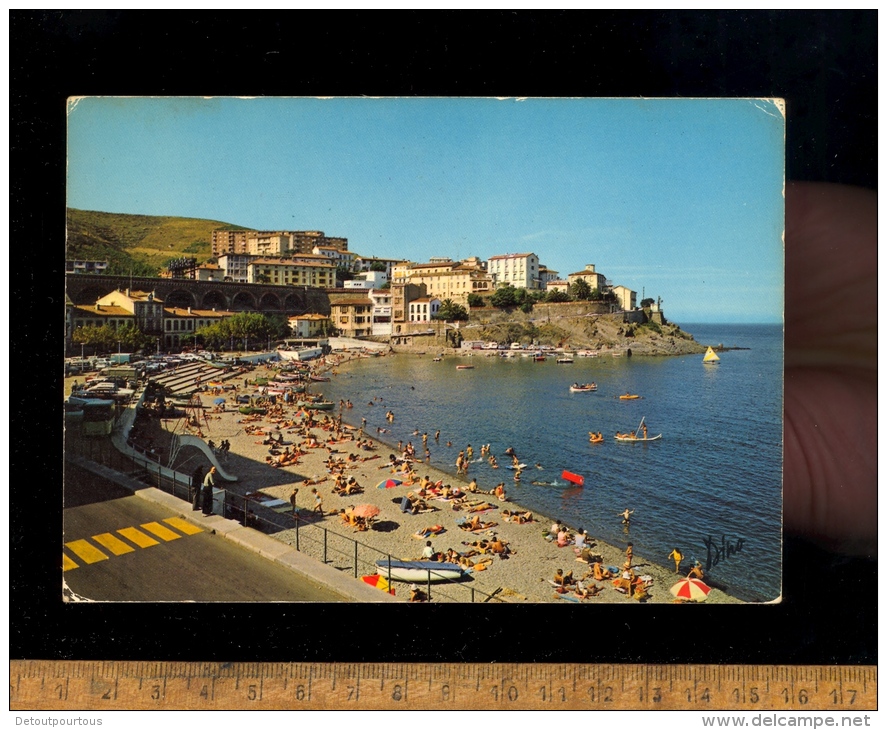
{"x": 141, "y": 244}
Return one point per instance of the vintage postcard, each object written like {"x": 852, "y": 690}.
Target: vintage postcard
{"x": 424, "y": 349}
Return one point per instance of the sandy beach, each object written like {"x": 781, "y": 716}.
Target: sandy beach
{"x": 526, "y": 573}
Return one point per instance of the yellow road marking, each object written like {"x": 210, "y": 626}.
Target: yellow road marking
{"x": 85, "y": 551}
{"x": 164, "y": 533}
{"x": 115, "y": 545}
{"x": 183, "y": 525}
{"x": 67, "y": 563}
{"x": 139, "y": 538}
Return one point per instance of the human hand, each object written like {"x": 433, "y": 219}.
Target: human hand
{"x": 831, "y": 377}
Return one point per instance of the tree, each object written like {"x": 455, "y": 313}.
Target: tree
{"x": 263, "y": 279}
{"x": 451, "y": 311}
{"x": 106, "y": 339}
{"x": 475, "y": 300}
{"x": 343, "y": 273}
{"x": 505, "y": 296}
{"x": 556, "y": 295}
{"x": 648, "y": 302}
{"x": 99, "y": 338}
{"x": 580, "y": 289}
{"x": 378, "y": 266}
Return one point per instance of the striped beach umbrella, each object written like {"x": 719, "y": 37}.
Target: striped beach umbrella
{"x": 690, "y": 589}
{"x": 388, "y": 483}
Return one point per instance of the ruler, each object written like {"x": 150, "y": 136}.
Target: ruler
{"x": 132, "y": 685}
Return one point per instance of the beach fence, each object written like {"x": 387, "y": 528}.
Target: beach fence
{"x": 301, "y": 529}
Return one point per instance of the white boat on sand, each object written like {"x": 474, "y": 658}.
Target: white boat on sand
{"x": 418, "y": 571}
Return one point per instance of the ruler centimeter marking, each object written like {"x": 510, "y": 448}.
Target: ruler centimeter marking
{"x": 134, "y": 685}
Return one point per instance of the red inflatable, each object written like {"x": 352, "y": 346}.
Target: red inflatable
{"x": 575, "y": 478}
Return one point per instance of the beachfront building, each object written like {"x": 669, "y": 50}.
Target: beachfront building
{"x": 99, "y": 315}
{"x": 147, "y": 311}
{"x": 235, "y": 267}
{"x": 306, "y": 326}
{"x": 179, "y": 325}
{"x": 424, "y": 309}
{"x": 591, "y": 277}
{"x": 626, "y": 297}
{"x": 401, "y": 296}
{"x": 382, "y": 310}
{"x": 118, "y": 309}
{"x": 520, "y": 270}
{"x": 446, "y": 279}
{"x": 352, "y": 317}
{"x": 301, "y": 270}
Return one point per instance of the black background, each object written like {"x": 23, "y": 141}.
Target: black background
{"x": 822, "y": 63}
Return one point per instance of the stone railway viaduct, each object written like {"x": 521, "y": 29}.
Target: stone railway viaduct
{"x": 218, "y": 295}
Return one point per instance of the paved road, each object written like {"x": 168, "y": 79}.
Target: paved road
{"x": 118, "y": 547}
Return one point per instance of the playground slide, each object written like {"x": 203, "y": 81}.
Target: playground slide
{"x": 200, "y": 444}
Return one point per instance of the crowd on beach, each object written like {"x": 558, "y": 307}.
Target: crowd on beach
{"x": 344, "y": 463}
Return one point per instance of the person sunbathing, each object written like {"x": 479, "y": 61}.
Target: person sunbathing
{"x": 600, "y": 572}
{"x": 586, "y": 591}
{"x": 481, "y": 546}
{"x": 562, "y": 579}
{"x": 481, "y": 507}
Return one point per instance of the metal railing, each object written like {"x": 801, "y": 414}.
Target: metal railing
{"x": 297, "y": 529}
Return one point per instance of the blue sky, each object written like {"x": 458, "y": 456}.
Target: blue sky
{"x": 678, "y": 199}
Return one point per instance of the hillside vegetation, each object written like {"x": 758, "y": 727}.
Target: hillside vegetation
{"x": 138, "y": 243}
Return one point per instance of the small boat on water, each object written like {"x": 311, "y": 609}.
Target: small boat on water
{"x": 629, "y": 396}
{"x": 587, "y": 353}
{"x": 538, "y": 357}
{"x": 565, "y": 360}
{"x": 419, "y": 571}
{"x": 636, "y": 437}
{"x": 464, "y": 367}
{"x": 584, "y": 388}
{"x": 711, "y": 357}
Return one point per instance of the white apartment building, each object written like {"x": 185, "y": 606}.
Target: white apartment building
{"x": 367, "y": 280}
{"x": 235, "y": 267}
{"x": 382, "y": 311}
{"x": 521, "y": 270}
{"x": 424, "y": 309}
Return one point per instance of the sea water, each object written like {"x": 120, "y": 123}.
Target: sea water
{"x": 712, "y": 486}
